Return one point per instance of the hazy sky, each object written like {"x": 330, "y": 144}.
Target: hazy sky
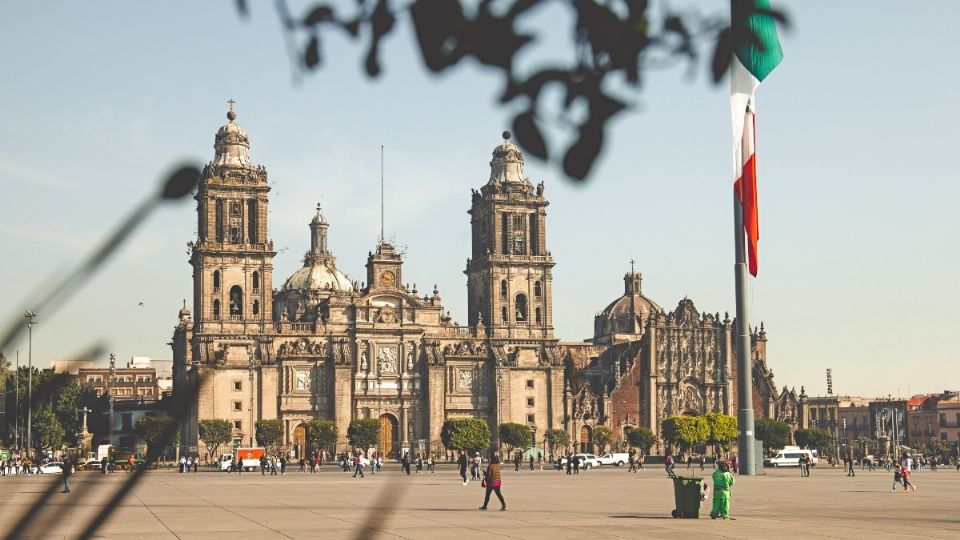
{"x": 858, "y": 130}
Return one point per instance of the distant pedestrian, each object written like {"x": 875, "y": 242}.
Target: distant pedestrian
{"x": 405, "y": 463}
{"x": 357, "y": 465}
{"x": 477, "y": 461}
{"x": 576, "y": 464}
{"x": 492, "y": 481}
{"x": 632, "y": 460}
{"x": 283, "y": 464}
{"x": 196, "y": 463}
{"x": 462, "y": 465}
{"x": 850, "y": 470}
{"x": 569, "y": 463}
{"x": 668, "y": 466}
{"x": 67, "y": 469}
{"x": 722, "y": 491}
{"x": 640, "y": 462}
{"x": 540, "y": 460}
{"x": 905, "y": 478}
{"x": 703, "y": 461}
{"x": 517, "y": 460}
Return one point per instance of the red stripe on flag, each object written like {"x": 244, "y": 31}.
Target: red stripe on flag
{"x": 746, "y": 189}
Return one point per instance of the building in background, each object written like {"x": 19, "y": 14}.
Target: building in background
{"x": 137, "y": 381}
{"x": 948, "y": 418}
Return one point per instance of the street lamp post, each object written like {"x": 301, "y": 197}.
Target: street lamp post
{"x": 29, "y": 315}
{"x": 250, "y": 378}
{"x": 16, "y": 408}
{"x": 499, "y": 403}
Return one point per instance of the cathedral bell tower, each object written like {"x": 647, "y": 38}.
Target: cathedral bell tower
{"x": 232, "y": 257}
{"x": 509, "y": 276}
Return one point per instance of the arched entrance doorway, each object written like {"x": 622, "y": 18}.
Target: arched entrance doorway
{"x": 300, "y": 440}
{"x": 389, "y": 436}
{"x": 586, "y": 438}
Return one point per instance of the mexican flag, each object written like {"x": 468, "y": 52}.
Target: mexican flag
{"x": 753, "y": 59}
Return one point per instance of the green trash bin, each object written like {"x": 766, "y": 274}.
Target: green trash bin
{"x": 686, "y": 494}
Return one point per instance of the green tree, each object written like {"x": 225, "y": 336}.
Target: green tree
{"x": 155, "y": 430}
{"x": 321, "y": 434}
{"x": 214, "y": 433}
{"x": 684, "y": 432}
{"x": 514, "y": 435}
{"x": 603, "y": 436}
{"x": 269, "y": 433}
{"x": 775, "y": 434}
{"x": 364, "y": 433}
{"x": 47, "y": 431}
{"x": 557, "y": 438}
{"x": 642, "y": 438}
{"x": 723, "y": 430}
{"x": 469, "y": 434}
{"x": 813, "y": 438}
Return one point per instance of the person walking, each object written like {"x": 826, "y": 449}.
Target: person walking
{"x": 517, "y": 460}
{"x": 67, "y": 469}
{"x": 569, "y": 463}
{"x": 531, "y": 461}
{"x": 722, "y": 491}
{"x": 668, "y": 466}
{"x": 850, "y": 469}
{"x": 283, "y": 464}
{"x": 640, "y": 462}
{"x": 905, "y": 478}
{"x": 576, "y": 464}
{"x": 897, "y": 477}
{"x": 357, "y": 465}
{"x": 477, "y": 461}
{"x": 540, "y": 460}
{"x": 263, "y": 465}
{"x": 632, "y": 460}
{"x": 492, "y": 481}
{"x": 703, "y": 461}
{"x": 196, "y": 463}
{"x": 405, "y": 463}
{"x": 462, "y": 465}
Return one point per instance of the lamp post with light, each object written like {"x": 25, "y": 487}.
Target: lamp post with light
{"x": 250, "y": 378}
{"x": 30, "y": 322}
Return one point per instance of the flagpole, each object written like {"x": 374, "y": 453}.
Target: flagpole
{"x": 745, "y": 439}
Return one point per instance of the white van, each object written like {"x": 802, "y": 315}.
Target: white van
{"x": 790, "y": 457}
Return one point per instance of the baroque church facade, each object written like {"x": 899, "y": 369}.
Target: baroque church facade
{"x": 323, "y": 346}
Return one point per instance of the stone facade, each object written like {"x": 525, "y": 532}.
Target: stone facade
{"x": 323, "y": 346}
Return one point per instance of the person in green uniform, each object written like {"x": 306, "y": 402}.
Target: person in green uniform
{"x": 722, "y": 490}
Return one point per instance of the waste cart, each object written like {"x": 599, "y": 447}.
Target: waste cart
{"x": 687, "y": 495}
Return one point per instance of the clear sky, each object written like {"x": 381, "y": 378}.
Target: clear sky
{"x": 858, "y": 131}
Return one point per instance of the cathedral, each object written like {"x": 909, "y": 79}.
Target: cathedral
{"x": 323, "y": 346}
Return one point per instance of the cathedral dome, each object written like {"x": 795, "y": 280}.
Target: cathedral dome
{"x": 231, "y": 144}
{"x": 626, "y": 314}
{"x": 507, "y": 162}
{"x": 319, "y": 270}
{"x": 321, "y": 275}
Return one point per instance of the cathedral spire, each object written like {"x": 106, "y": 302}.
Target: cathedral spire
{"x": 231, "y": 143}
{"x": 319, "y": 249}
{"x": 507, "y": 162}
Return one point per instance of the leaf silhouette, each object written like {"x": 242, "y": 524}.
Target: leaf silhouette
{"x": 580, "y": 156}
{"x": 311, "y": 56}
{"x": 181, "y": 183}
{"x": 722, "y": 55}
{"x": 321, "y": 13}
{"x": 529, "y": 136}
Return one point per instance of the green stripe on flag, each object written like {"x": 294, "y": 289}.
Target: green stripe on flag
{"x": 759, "y": 60}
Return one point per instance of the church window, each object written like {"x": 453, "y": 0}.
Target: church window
{"x": 534, "y": 235}
{"x": 504, "y": 234}
{"x": 236, "y": 300}
{"x": 236, "y": 405}
{"x": 529, "y": 402}
{"x": 503, "y": 313}
{"x": 252, "y": 220}
{"x": 216, "y": 310}
{"x": 236, "y": 221}
{"x": 237, "y": 424}
{"x": 518, "y": 236}
{"x": 219, "y": 219}
{"x": 256, "y": 308}
{"x": 238, "y": 385}
{"x": 216, "y": 281}
{"x": 537, "y": 289}
{"x": 521, "y": 305}
{"x": 256, "y": 281}
{"x": 529, "y": 383}
{"x": 503, "y": 289}
{"x": 539, "y": 318}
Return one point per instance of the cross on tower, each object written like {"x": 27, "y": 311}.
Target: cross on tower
{"x": 231, "y": 102}
{"x": 631, "y": 266}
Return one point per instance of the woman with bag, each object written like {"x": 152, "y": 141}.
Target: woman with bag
{"x": 491, "y": 481}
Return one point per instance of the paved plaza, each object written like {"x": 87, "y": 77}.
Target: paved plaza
{"x": 603, "y": 503}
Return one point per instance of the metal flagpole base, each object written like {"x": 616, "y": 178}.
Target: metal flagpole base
{"x": 745, "y": 442}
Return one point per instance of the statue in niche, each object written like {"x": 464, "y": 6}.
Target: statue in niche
{"x": 303, "y": 381}
{"x": 410, "y": 361}
{"x": 302, "y": 346}
{"x": 363, "y": 360}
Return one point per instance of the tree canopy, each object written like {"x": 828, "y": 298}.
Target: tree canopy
{"x": 269, "y": 433}
{"x": 607, "y": 50}
{"x": 214, "y": 433}
{"x": 153, "y": 428}
{"x": 723, "y": 429}
{"x": 684, "y": 432}
{"x": 775, "y": 434}
{"x": 557, "y": 438}
{"x": 642, "y": 438}
{"x": 364, "y": 433}
{"x": 321, "y": 434}
{"x": 602, "y": 435}
{"x": 514, "y": 435}
{"x": 469, "y": 434}
{"x": 813, "y": 438}
{"x": 47, "y": 431}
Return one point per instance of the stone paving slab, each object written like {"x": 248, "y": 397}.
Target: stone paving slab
{"x": 606, "y": 503}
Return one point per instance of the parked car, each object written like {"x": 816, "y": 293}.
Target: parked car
{"x": 587, "y": 461}
{"x": 53, "y": 467}
{"x": 92, "y": 464}
{"x": 615, "y": 459}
